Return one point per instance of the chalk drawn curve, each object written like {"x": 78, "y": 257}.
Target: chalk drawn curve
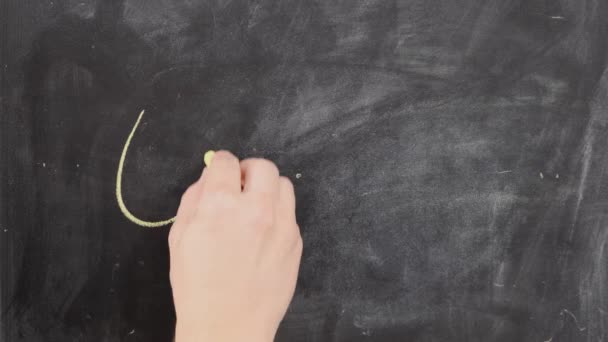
{"x": 119, "y": 198}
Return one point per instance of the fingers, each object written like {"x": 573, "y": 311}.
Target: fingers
{"x": 187, "y": 205}
{"x": 286, "y": 203}
{"x": 286, "y": 211}
{"x": 187, "y": 208}
{"x": 224, "y": 174}
{"x": 190, "y": 198}
{"x": 260, "y": 178}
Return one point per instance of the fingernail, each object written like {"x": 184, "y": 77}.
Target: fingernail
{"x": 208, "y": 158}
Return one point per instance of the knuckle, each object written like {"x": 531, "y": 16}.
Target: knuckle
{"x": 266, "y": 165}
{"x": 286, "y": 183}
{"x": 296, "y": 245}
{"x": 172, "y": 237}
{"x": 296, "y": 236}
{"x": 272, "y": 168}
{"x": 296, "y": 230}
{"x": 291, "y": 237}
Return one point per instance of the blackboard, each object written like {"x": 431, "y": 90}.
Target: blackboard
{"x": 449, "y": 158}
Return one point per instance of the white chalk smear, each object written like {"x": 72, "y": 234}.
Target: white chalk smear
{"x": 575, "y": 320}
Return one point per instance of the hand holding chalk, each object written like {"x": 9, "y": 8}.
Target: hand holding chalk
{"x": 235, "y": 250}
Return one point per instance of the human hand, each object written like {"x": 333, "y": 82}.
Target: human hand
{"x": 235, "y": 252}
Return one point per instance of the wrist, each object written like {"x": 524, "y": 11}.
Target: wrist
{"x": 198, "y": 332}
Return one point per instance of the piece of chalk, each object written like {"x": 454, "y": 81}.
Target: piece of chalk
{"x": 209, "y": 157}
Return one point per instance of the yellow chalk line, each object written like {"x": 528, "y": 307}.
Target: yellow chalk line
{"x": 119, "y": 199}
{"x": 121, "y": 203}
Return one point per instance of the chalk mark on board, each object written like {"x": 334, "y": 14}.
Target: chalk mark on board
{"x": 562, "y": 313}
{"x": 566, "y": 311}
{"x": 119, "y": 198}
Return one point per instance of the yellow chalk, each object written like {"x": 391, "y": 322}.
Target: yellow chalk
{"x": 209, "y": 157}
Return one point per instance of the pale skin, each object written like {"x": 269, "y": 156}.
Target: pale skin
{"x": 235, "y": 251}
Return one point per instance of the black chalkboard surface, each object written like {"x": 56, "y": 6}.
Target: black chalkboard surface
{"x": 449, "y": 156}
